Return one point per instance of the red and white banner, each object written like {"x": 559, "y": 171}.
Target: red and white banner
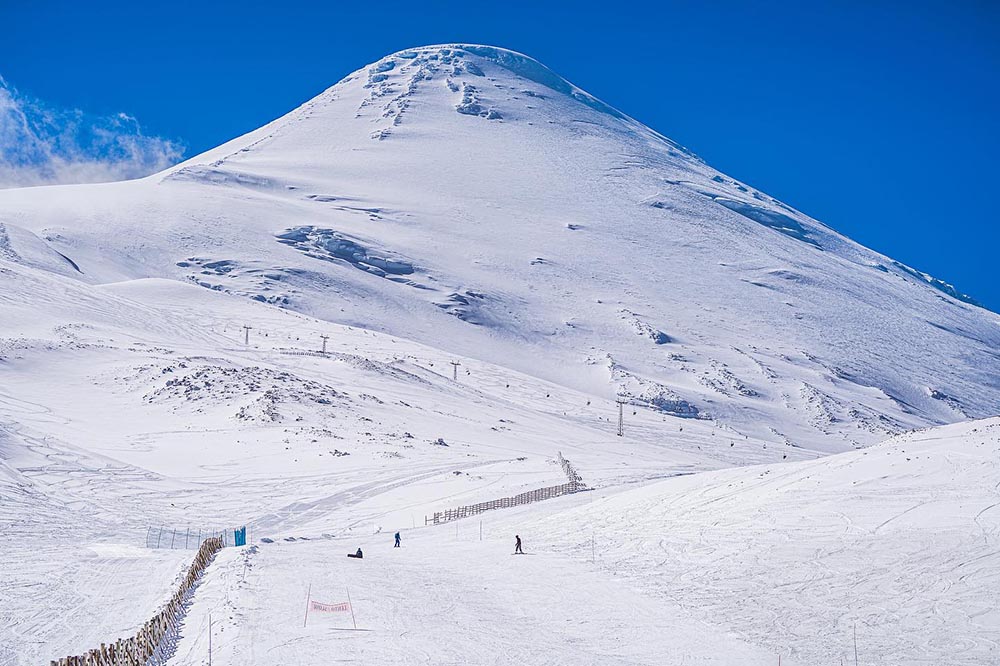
{"x": 343, "y": 607}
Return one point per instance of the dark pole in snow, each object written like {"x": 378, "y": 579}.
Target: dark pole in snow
{"x": 351, "y": 606}
{"x": 855, "y": 643}
{"x": 325, "y": 338}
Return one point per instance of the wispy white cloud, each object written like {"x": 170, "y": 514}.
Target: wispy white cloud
{"x": 43, "y": 145}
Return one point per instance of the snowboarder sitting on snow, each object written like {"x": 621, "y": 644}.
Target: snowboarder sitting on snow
{"x": 359, "y": 555}
{"x": 397, "y": 540}
{"x": 517, "y": 545}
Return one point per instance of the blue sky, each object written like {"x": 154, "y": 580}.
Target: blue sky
{"x": 877, "y": 118}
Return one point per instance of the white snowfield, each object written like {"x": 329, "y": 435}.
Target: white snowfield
{"x": 899, "y": 542}
{"x": 464, "y": 205}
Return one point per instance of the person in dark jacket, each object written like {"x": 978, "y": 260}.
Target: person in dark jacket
{"x": 517, "y": 545}
{"x": 397, "y": 540}
{"x": 358, "y": 555}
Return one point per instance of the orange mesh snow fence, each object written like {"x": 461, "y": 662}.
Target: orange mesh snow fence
{"x": 342, "y": 607}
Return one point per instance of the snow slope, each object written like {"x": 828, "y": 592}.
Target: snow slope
{"x": 133, "y": 406}
{"x": 136, "y": 405}
{"x": 468, "y": 198}
{"x": 900, "y": 538}
{"x": 728, "y": 567}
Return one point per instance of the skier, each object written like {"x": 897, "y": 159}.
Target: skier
{"x": 517, "y": 545}
{"x": 397, "y": 540}
{"x": 358, "y": 555}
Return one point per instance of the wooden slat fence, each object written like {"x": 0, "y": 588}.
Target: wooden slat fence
{"x": 136, "y": 650}
{"x": 570, "y": 471}
{"x": 574, "y": 485}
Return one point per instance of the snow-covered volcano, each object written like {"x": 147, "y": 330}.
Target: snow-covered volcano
{"x": 469, "y": 198}
{"x": 465, "y": 205}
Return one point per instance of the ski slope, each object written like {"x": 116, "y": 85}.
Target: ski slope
{"x": 736, "y": 566}
{"x": 439, "y": 599}
{"x": 727, "y": 563}
{"x": 492, "y": 259}
{"x": 136, "y": 405}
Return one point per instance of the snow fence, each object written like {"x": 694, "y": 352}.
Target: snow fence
{"x": 147, "y": 641}
{"x": 574, "y": 485}
{"x": 184, "y": 538}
